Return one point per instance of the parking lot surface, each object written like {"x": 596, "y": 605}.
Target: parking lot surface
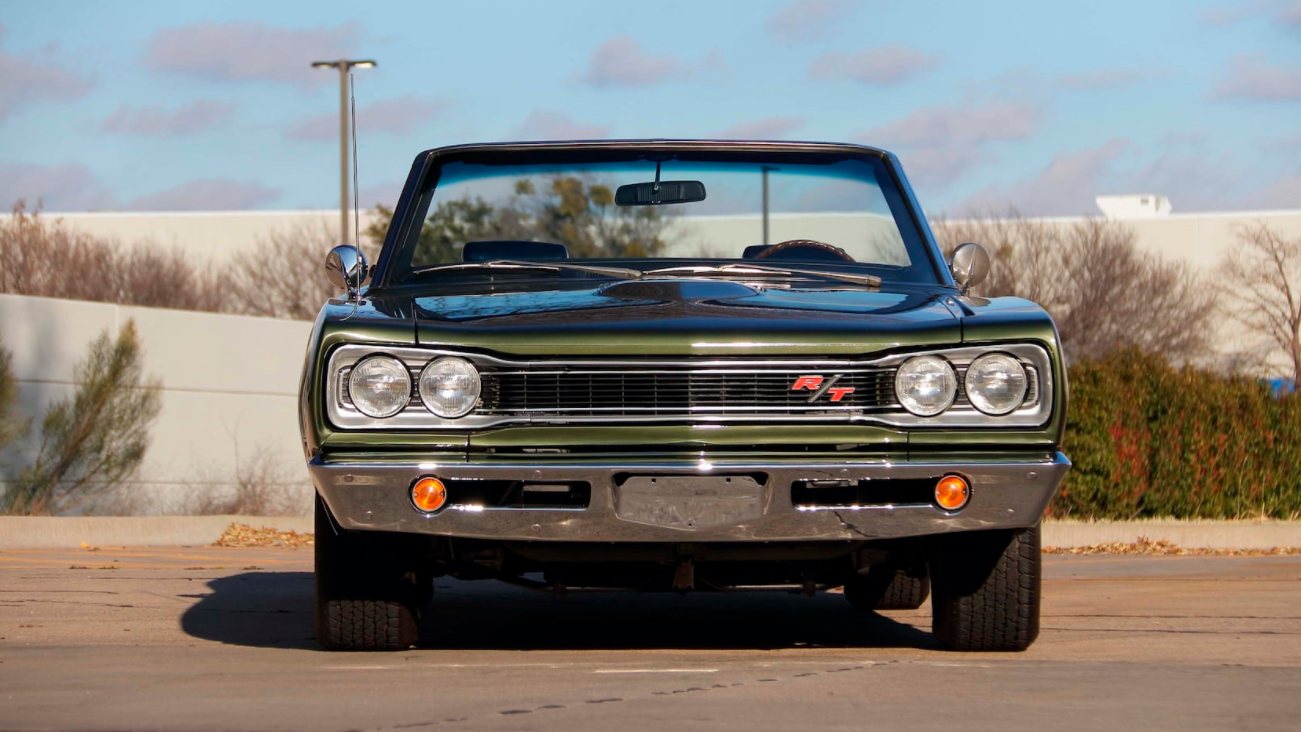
{"x": 221, "y": 639}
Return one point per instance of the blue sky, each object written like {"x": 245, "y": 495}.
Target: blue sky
{"x": 199, "y": 106}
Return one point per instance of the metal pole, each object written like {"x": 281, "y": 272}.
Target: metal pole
{"x": 765, "y": 205}
{"x": 343, "y": 151}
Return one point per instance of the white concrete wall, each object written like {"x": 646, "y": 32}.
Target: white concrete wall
{"x": 229, "y": 389}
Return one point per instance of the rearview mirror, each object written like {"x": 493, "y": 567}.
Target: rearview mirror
{"x": 346, "y": 267}
{"x": 969, "y": 265}
{"x": 656, "y": 193}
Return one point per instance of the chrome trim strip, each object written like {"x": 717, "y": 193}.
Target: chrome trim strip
{"x": 416, "y": 417}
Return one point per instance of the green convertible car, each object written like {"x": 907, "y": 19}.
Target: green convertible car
{"x": 674, "y": 366}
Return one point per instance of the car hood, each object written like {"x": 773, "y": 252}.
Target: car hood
{"x": 689, "y": 316}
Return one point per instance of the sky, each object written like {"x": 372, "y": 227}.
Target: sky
{"x": 1041, "y": 105}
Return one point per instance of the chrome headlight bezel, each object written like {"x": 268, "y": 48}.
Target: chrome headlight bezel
{"x": 980, "y": 399}
{"x": 429, "y": 389}
{"x": 359, "y": 395}
{"x": 938, "y": 368}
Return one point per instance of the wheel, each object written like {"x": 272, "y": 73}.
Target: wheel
{"x": 888, "y": 588}
{"x": 987, "y": 588}
{"x": 368, "y": 588}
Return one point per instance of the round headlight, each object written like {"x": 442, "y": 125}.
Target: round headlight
{"x": 380, "y": 386}
{"x": 995, "y": 383}
{"x": 925, "y": 385}
{"x": 449, "y": 387}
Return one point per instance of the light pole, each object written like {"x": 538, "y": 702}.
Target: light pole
{"x": 344, "y": 66}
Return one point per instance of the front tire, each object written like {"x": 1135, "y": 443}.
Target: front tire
{"x": 368, "y": 594}
{"x": 987, "y": 590}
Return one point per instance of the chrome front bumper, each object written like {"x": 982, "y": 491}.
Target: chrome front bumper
{"x": 375, "y": 496}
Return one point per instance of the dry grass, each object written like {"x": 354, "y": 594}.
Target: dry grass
{"x": 1161, "y": 547}
{"x": 262, "y": 488}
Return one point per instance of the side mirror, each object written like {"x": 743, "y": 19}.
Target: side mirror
{"x": 346, "y": 267}
{"x": 969, "y": 265}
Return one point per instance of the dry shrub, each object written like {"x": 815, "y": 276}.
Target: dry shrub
{"x": 281, "y": 276}
{"x": 262, "y": 488}
{"x": 286, "y": 279}
{"x": 45, "y": 258}
{"x": 1104, "y": 293}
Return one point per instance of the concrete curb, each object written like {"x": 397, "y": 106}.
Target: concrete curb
{"x": 69, "y": 532}
{"x": 60, "y": 532}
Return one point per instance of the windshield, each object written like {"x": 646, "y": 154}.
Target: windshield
{"x": 779, "y": 210}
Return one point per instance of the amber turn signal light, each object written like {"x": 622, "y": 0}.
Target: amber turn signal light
{"x": 952, "y": 492}
{"x": 429, "y": 494}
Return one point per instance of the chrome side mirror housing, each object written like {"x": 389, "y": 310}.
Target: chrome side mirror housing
{"x": 969, "y": 265}
{"x": 345, "y": 265}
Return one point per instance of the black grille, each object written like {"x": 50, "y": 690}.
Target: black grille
{"x": 661, "y": 393}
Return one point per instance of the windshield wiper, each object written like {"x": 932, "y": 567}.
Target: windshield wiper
{"x": 744, "y": 269}
{"x": 513, "y": 264}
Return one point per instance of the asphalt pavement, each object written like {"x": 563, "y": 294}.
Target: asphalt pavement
{"x": 221, "y": 639}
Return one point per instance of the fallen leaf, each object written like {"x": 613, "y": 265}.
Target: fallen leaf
{"x": 242, "y": 535}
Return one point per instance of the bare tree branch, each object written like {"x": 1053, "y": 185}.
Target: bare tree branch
{"x": 1102, "y": 290}
{"x": 1261, "y": 280}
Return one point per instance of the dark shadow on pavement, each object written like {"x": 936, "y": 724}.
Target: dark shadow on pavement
{"x": 274, "y": 609}
{"x": 263, "y": 609}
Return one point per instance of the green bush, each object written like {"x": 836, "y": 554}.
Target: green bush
{"x": 95, "y": 439}
{"x": 12, "y": 424}
{"x": 1150, "y": 440}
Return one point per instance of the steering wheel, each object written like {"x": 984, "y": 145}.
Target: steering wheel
{"x": 798, "y": 247}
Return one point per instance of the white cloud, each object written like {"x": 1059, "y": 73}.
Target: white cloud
{"x": 543, "y": 124}
{"x": 887, "y": 65}
{"x": 808, "y": 20}
{"x": 948, "y": 126}
{"x": 1251, "y": 77}
{"x": 212, "y": 194}
{"x": 772, "y": 128}
{"x": 401, "y": 115}
{"x": 73, "y": 187}
{"x": 622, "y": 62}
{"x": 1106, "y": 78}
{"x": 1283, "y": 193}
{"x": 384, "y": 193}
{"x": 34, "y": 78}
{"x": 934, "y": 168}
{"x": 1066, "y": 186}
{"x": 70, "y": 187}
{"x": 245, "y": 51}
{"x": 151, "y": 121}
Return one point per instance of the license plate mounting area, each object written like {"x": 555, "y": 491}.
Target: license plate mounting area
{"x": 690, "y": 502}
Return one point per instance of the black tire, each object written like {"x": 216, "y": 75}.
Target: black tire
{"x": 368, "y": 595}
{"x": 987, "y": 590}
{"x": 888, "y": 588}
